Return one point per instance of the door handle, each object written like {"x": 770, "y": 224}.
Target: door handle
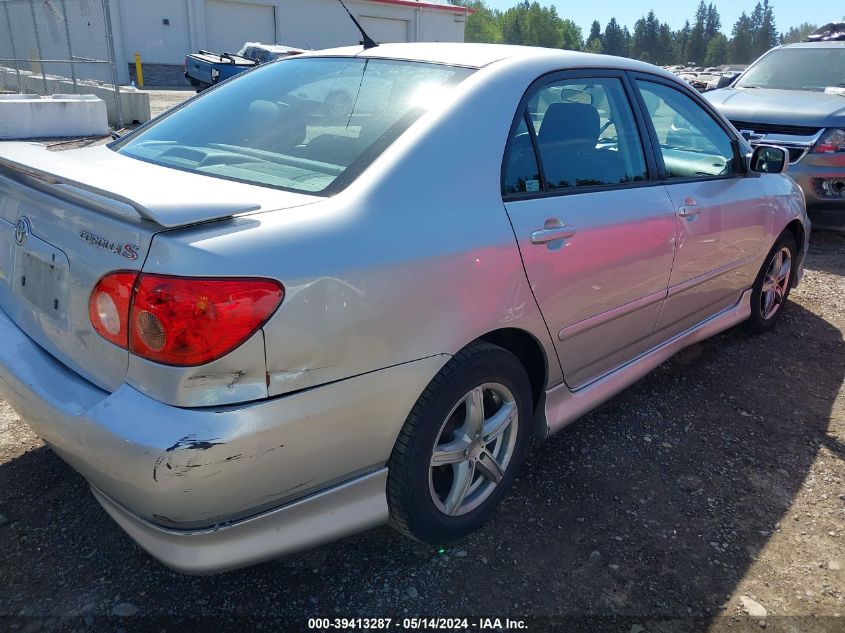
{"x": 551, "y": 234}
{"x": 689, "y": 210}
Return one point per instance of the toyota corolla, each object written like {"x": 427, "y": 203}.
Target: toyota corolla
{"x": 254, "y": 328}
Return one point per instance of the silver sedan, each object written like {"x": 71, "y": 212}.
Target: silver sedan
{"x": 254, "y": 327}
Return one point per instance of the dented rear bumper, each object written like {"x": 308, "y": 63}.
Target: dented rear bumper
{"x": 319, "y": 518}
{"x": 194, "y": 470}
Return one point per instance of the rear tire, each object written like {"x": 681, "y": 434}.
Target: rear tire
{"x": 772, "y": 286}
{"x": 461, "y": 446}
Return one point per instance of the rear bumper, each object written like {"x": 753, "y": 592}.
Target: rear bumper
{"x": 168, "y": 474}
{"x": 325, "y": 516}
{"x": 198, "y": 84}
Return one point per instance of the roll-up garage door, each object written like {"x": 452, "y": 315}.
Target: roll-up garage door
{"x": 229, "y": 24}
{"x": 385, "y": 29}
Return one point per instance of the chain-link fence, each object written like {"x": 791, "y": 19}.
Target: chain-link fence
{"x": 53, "y": 47}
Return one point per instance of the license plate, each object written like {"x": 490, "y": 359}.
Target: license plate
{"x": 41, "y": 277}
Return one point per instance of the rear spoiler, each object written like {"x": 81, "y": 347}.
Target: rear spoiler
{"x": 125, "y": 186}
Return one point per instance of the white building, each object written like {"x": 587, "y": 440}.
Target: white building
{"x": 164, "y": 31}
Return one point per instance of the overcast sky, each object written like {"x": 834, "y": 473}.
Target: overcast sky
{"x": 787, "y": 12}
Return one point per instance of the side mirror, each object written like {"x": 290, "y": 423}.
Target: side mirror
{"x": 769, "y": 159}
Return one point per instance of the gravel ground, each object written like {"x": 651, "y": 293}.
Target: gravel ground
{"x": 708, "y": 496}
{"x": 163, "y": 100}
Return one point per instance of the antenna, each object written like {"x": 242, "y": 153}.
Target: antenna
{"x": 368, "y": 41}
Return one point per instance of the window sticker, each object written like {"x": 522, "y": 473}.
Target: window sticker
{"x": 532, "y": 185}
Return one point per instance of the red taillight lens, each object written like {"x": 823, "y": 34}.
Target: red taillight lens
{"x": 180, "y": 320}
{"x": 108, "y": 306}
{"x": 192, "y": 321}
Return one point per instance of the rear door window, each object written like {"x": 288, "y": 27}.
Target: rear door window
{"x": 586, "y": 134}
{"x": 522, "y": 174}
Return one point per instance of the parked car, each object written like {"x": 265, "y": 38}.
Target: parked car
{"x": 794, "y": 96}
{"x": 204, "y": 69}
{"x": 722, "y": 80}
{"x": 253, "y": 330}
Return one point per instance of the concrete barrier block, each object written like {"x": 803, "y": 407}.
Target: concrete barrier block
{"x": 61, "y": 115}
{"x": 135, "y": 104}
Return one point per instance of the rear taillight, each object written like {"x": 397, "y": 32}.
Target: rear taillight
{"x": 108, "y": 306}
{"x": 181, "y": 320}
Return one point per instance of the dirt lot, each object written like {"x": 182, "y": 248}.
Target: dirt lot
{"x": 710, "y": 495}
{"x": 163, "y": 100}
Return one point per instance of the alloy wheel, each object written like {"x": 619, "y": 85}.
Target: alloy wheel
{"x": 473, "y": 449}
{"x": 776, "y": 283}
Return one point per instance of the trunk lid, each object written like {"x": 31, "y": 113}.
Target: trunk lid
{"x": 69, "y": 218}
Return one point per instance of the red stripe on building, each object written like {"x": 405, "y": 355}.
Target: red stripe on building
{"x": 428, "y": 5}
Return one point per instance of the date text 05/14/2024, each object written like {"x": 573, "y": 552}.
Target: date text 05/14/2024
{"x": 414, "y": 624}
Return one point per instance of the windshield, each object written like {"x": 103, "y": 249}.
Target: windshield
{"x": 309, "y": 125}
{"x": 798, "y": 69}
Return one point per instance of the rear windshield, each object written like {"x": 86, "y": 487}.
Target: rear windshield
{"x": 798, "y": 69}
{"x": 310, "y": 125}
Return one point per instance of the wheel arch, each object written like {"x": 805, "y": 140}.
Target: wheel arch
{"x": 530, "y": 352}
{"x": 798, "y": 232}
{"x": 796, "y": 228}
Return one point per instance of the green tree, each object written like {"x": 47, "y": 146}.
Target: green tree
{"x": 718, "y": 50}
{"x": 766, "y": 34}
{"x": 594, "y": 46}
{"x": 697, "y": 47}
{"x": 712, "y": 23}
{"x": 797, "y": 33}
{"x": 639, "y": 45}
{"x": 665, "y": 45}
{"x": 646, "y": 39}
{"x": 681, "y": 43}
{"x": 544, "y": 27}
{"x": 531, "y": 24}
{"x": 514, "y": 24}
{"x": 742, "y": 40}
{"x": 614, "y": 39}
{"x": 757, "y": 18}
{"x": 484, "y": 25}
{"x": 595, "y": 31}
{"x": 572, "y": 38}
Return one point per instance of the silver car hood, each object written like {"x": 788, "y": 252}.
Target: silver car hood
{"x": 788, "y": 107}
{"x": 169, "y": 197}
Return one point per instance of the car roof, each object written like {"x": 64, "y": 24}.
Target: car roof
{"x": 825, "y": 44}
{"x": 479, "y": 55}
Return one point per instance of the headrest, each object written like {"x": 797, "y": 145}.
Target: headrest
{"x": 570, "y": 122}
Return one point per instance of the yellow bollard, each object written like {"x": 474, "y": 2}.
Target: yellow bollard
{"x": 35, "y": 65}
{"x": 139, "y": 72}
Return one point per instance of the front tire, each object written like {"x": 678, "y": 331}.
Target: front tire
{"x": 772, "y": 286}
{"x": 461, "y": 446}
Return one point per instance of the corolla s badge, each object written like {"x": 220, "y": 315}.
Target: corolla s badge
{"x": 22, "y": 230}
{"x": 129, "y": 251}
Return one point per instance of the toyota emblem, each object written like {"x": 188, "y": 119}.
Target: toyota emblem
{"x": 22, "y": 230}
